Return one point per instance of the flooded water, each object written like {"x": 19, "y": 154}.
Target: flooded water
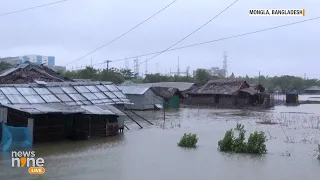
{"x": 302, "y": 97}
{"x": 152, "y": 152}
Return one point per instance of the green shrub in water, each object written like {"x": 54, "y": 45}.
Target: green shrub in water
{"x": 188, "y": 140}
{"x": 255, "y": 144}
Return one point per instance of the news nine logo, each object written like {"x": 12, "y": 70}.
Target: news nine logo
{"x": 28, "y": 159}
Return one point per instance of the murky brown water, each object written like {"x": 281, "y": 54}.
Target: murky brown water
{"x": 152, "y": 152}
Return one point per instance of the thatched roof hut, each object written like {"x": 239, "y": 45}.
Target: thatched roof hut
{"x": 166, "y": 92}
{"x": 221, "y": 87}
{"x": 29, "y": 72}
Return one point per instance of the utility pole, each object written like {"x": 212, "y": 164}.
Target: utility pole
{"x": 91, "y": 63}
{"x": 146, "y": 67}
{"x": 178, "y": 72}
{"x": 108, "y": 61}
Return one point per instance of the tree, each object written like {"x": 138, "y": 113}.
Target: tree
{"x": 202, "y": 76}
{"x": 127, "y": 74}
{"x": 4, "y": 66}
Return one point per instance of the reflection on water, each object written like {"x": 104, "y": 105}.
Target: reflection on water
{"x": 152, "y": 152}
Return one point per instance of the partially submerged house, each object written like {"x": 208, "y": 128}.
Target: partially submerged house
{"x": 65, "y": 110}
{"x": 171, "y": 96}
{"x": 226, "y": 93}
{"x": 143, "y": 98}
{"x": 183, "y": 87}
{"x": 313, "y": 90}
{"x": 59, "y": 108}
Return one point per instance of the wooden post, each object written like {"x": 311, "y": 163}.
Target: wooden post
{"x": 164, "y": 114}
{"x": 30, "y": 127}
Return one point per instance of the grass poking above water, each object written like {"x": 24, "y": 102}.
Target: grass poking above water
{"x": 188, "y": 140}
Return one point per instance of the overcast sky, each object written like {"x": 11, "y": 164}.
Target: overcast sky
{"x": 71, "y": 29}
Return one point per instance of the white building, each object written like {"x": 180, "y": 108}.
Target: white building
{"x": 214, "y": 71}
{"x": 38, "y": 59}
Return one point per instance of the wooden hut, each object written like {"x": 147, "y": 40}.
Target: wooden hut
{"x": 171, "y": 96}
{"x": 63, "y": 110}
{"x": 224, "y": 93}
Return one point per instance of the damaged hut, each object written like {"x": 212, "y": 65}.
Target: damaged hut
{"x": 225, "y": 93}
{"x": 171, "y": 96}
{"x": 143, "y": 98}
{"x": 63, "y": 110}
{"x": 28, "y": 72}
{"x": 183, "y": 87}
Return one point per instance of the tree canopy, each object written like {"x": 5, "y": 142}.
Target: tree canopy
{"x": 277, "y": 83}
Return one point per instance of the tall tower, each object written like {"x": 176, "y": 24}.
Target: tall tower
{"x": 225, "y": 64}
{"x": 136, "y": 67}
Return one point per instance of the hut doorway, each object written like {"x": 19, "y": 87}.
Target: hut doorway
{"x": 216, "y": 99}
{"x": 69, "y": 128}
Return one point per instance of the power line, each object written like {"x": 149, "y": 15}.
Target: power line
{"x": 191, "y": 33}
{"x": 221, "y": 39}
{"x": 31, "y": 8}
{"x": 123, "y": 33}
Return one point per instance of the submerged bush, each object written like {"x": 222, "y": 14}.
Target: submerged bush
{"x": 188, "y": 140}
{"x": 255, "y": 144}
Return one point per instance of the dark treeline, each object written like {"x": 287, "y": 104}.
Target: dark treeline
{"x": 277, "y": 83}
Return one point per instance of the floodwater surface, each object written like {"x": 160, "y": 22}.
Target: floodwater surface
{"x": 152, "y": 152}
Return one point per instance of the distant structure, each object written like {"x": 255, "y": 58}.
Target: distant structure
{"x": 216, "y": 71}
{"x": 225, "y": 65}
{"x": 48, "y": 61}
{"x": 59, "y": 68}
{"x": 136, "y": 67}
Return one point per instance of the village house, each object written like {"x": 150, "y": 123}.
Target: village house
{"x": 54, "y": 107}
{"x": 66, "y": 110}
{"x": 226, "y": 93}
{"x": 183, "y": 87}
{"x": 143, "y": 98}
{"x": 313, "y": 90}
{"x": 171, "y": 96}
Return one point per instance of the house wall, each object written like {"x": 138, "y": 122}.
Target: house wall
{"x": 173, "y": 102}
{"x": 204, "y": 100}
{"x": 242, "y": 101}
{"x": 226, "y": 100}
{"x": 145, "y": 101}
{"x": 3, "y": 114}
{"x": 49, "y": 128}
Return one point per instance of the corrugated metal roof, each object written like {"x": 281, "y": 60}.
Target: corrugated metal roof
{"x": 134, "y": 90}
{"x": 112, "y": 109}
{"x": 33, "y": 109}
{"x": 97, "y": 110}
{"x": 313, "y": 88}
{"x": 182, "y": 86}
{"x": 61, "y": 108}
{"x": 77, "y": 93}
